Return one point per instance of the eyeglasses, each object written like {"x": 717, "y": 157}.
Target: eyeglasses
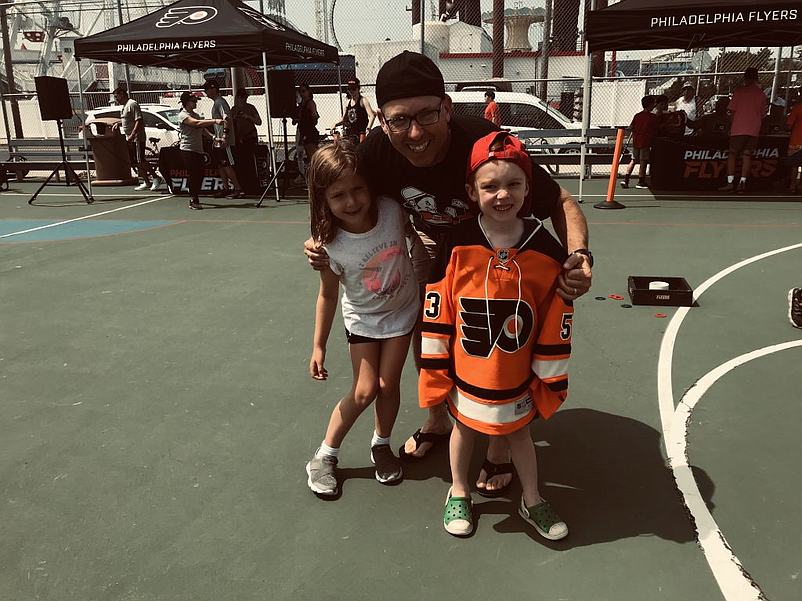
{"x": 429, "y": 117}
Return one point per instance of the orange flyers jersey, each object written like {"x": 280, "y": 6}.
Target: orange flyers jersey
{"x": 496, "y": 337}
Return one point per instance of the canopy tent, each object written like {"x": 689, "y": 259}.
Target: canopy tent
{"x": 641, "y": 25}
{"x": 197, "y": 34}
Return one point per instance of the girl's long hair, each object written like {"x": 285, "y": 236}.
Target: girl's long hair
{"x": 328, "y": 164}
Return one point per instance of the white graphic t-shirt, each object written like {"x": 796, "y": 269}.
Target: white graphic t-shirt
{"x": 380, "y": 292}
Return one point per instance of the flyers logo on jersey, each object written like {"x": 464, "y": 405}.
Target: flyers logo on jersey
{"x": 479, "y": 341}
{"x": 187, "y": 15}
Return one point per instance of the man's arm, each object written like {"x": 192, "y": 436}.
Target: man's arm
{"x": 138, "y": 127}
{"x": 370, "y": 111}
{"x": 571, "y": 228}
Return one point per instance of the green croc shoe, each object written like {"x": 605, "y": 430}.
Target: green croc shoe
{"x": 458, "y": 515}
{"x": 548, "y": 524}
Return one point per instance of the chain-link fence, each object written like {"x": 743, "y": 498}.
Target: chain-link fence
{"x": 529, "y": 52}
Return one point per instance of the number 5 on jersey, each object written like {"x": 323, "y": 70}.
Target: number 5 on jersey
{"x": 565, "y": 327}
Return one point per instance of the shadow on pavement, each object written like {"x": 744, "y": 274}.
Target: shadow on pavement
{"x": 606, "y": 476}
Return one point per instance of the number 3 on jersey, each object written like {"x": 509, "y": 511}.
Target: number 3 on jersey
{"x": 432, "y": 310}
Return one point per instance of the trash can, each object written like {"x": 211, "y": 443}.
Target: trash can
{"x": 110, "y": 151}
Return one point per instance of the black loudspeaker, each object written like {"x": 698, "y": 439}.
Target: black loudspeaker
{"x": 281, "y": 85}
{"x": 54, "y": 98}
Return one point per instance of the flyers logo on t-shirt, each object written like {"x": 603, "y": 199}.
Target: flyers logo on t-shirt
{"x": 479, "y": 341}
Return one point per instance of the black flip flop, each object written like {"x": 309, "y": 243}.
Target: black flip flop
{"x": 421, "y": 437}
{"x": 495, "y": 469}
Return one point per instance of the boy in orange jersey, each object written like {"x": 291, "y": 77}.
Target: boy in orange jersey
{"x": 496, "y": 338}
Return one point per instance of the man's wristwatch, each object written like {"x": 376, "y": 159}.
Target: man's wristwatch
{"x": 586, "y": 252}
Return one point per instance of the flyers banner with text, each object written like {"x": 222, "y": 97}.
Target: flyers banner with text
{"x": 700, "y": 163}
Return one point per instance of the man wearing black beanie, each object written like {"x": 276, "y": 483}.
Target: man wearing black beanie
{"x": 419, "y": 159}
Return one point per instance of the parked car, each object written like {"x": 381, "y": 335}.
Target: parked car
{"x": 161, "y": 122}
{"x": 519, "y": 112}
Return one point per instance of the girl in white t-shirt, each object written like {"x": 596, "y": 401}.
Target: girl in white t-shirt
{"x": 366, "y": 243}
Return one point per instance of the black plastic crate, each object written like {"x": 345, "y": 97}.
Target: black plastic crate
{"x": 679, "y": 293}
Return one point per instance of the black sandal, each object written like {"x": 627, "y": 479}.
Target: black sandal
{"x": 495, "y": 469}
{"x": 419, "y": 438}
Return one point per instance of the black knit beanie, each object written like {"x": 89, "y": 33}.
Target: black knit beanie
{"x": 406, "y": 75}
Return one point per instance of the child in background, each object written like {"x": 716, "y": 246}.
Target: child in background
{"x": 495, "y": 336}
{"x": 365, "y": 241}
{"x": 644, "y": 128}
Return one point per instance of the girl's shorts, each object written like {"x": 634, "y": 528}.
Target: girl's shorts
{"x": 357, "y": 339}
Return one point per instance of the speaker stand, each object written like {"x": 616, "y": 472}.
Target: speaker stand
{"x": 68, "y": 171}
{"x": 279, "y": 169}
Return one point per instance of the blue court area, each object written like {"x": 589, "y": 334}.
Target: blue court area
{"x": 52, "y": 230}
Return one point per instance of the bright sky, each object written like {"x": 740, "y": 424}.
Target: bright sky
{"x": 363, "y": 21}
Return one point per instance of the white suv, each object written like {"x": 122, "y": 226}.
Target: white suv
{"x": 161, "y": 122}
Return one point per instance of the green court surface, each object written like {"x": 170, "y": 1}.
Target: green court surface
{"x": 156, "y": 415}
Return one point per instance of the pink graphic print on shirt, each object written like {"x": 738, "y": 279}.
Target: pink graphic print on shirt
{"x": 376, "y": 276}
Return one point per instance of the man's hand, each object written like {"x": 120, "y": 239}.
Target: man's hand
{"x": 316, "y": 369}
{"x": 115, "y": 126}
{"x": 576, "y": 278}
{"x": 316, "y": 255}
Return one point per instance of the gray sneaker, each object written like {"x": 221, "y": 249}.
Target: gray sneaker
{"x": 795, "y": 307}
{"x": 388, "y": 466}
{"x": 322, "y": 475}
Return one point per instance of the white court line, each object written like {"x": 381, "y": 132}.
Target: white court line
{"x": 722, "y": 562}
{"x": 728, "y": 570}
{"x": 44, "y": 227}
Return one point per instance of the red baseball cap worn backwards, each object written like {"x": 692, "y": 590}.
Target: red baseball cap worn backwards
{"x": 510, "y": 148}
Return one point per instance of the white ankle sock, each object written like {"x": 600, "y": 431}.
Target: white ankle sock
{"x": 743, "y": 180}
{"x": 730, "y": 179}
{"x": 378, "y": 440}
{"x": 327, "y": 450}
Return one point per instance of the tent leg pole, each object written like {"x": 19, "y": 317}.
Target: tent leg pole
{"x": 340, "y": 91}
{"x": 271, "y": 146}
{"x": 585, "y": 115}
{"x": 83, "y": 129}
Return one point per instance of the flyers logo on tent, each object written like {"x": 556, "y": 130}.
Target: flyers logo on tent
{"x": 187, "y": 15}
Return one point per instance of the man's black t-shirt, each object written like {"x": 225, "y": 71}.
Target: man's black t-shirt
{"x": 436, "y": 196}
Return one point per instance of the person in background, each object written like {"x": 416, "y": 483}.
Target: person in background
{"x": 716, "y": 123}
{"x": 747, "y": 106}
{"x": 687, "y": 104}
{"x": 359, "y": 116}
{"x": 794, "y": 123}
{"x": 491, "y": 110}
{"x": 133, "y": 128}
{"x": 669, "y": 123}
{"x": 307, "y": 122}
{"x": 192, "y": 129}
{"x": 246, "y": 118}
{"x": 223, "y": 152}
{"x": 644, "y": 128}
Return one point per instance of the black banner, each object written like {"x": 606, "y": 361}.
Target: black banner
{"x": 252, "y": 166}
{"x": 700, "y": 163}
